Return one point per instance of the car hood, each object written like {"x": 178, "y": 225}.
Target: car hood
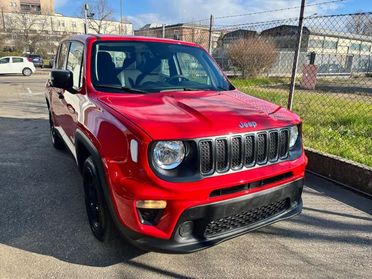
{"x": 184, "y": 115}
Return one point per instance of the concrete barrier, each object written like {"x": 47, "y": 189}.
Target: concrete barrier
{"x": 351, "y": 174}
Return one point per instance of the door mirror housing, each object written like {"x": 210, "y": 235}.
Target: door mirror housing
{"x": 62, "y": 79}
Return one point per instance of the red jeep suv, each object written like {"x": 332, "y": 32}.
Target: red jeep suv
{"x": 170, "y": 152}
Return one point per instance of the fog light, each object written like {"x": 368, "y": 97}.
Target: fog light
{"x": 151, "y": 204}
{"x": 149, "y": 216}
{"x": 186, "y": 229}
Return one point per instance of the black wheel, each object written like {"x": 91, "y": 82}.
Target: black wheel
{"x": 26, "y": 72}
{"x": 100, "y": 221}
{"x": 56, "y": 140}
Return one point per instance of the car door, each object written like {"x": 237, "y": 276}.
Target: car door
{"x": 57, "y": 94}
{"x": 17, "y": 65}
{"x": 5, "y": 65}
{"x": 72, "y": 100}
{"x": 66, "y": 104}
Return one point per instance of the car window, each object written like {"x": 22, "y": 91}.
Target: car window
{"x": 75, "y": 62}
{"x": 4, "y": 60}
{"x": 192, "y": 68}
{"x": 62, "y": 57}
{"x": 17, "y": 60}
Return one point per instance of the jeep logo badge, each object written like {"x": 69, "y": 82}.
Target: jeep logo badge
{"x": 251, "y": 124}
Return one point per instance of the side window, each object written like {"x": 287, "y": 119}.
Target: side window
{"x": 165, "y": 67}
{"x": 5, "y": 60}
{"x": 192, "y": 69}
{"x": 62, "y": 56}
{"x": 75, "y": 62}
{"x": 17, "y": 60}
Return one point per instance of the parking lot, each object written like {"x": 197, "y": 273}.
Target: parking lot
{"x": 44, "y": 231}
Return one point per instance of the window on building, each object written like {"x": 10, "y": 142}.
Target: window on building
{"x": 365, "y": 47}
{"x": 33, "y": 8}
{"x": 74, "y": 24}
{"x": 355, "y": 46}
{"x": 176, "y": 35}
{"x": 17, "y": 60}
{"x": 328, "y": 44}
{"x": 315, "y": 43}
{"x": 75, "y": 63}
{"x": 62, "y": 57}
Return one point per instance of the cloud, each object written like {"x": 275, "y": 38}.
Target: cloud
{"x": 170, "y": 11}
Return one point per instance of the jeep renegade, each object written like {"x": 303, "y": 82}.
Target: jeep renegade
{"x": 171, "y": 154}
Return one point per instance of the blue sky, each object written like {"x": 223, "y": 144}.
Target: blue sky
{"x": 141, "y": 12}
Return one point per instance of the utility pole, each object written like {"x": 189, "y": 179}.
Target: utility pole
{"x": 296, "y": 55}
{"x": 86, "y": 10}
{"x": 121, "y": 17}
{"x": 210, "y": 45}
{"x": 87, "y": 15}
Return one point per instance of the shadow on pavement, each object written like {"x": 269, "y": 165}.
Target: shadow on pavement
{"x": 43, "y": 210}
{"x": 42, "y": 202}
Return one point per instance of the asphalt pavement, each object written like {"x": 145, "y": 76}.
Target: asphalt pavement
{"x": 44, "y": 231}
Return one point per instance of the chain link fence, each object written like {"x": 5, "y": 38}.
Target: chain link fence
{"x": 333, "y": 85}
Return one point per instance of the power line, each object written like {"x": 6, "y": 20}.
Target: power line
{"x": 276, "y": 10}
{"x": 251, "y": 24}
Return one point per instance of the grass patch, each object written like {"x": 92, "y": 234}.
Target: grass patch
{"x": 339, "y": 124}
{"x": 260, "y": 81}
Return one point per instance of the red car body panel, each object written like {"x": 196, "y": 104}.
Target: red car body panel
{"x": 111, "y": 121}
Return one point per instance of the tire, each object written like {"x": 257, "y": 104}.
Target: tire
{"x": 56, "y": 140}
{"x": 99, "y": 218}
{"x": 27, "y": 72}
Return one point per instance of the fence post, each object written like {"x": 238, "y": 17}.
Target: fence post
{"x": 210, "y": 45}
{"x": 296, "y": 55}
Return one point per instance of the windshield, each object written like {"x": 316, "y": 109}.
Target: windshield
{"x": 142, "y": 67}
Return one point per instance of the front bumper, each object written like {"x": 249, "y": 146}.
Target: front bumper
{"x": 206, "y": 225}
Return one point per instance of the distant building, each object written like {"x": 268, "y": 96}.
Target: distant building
{"x": 321, "y": 41}
{"x": 232, "y": 36}
{"x": 51, "y": 28}
{"x": 184, "y": 32}
{"x": 335, "y": 51}
{"x": 42, "y": 7}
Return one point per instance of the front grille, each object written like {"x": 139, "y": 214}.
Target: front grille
{"x": 242, "y": 151}
{"x": 245, "y": 218}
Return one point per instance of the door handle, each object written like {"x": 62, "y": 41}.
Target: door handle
{"x": 70, "y": 108}
{"x": 60, "y": 95}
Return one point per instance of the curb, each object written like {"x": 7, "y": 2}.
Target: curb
{"x": 349, "y": 173}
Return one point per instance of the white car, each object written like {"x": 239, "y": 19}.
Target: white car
{"x": 16, "y": 65}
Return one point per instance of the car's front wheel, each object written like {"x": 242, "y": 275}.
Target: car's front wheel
{"x": 99, "y": 218}
{"x": 27, "y": 72}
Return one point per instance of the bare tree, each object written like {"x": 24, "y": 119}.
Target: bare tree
{"x": 27, "y": 30}
{"x": 252, "y": 56}
{"x": 102, "y": 12}
{"x": 360, "y": 24}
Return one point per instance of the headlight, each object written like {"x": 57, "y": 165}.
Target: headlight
{"x": 168, "y": 154}
{"x": 293, "y": 135}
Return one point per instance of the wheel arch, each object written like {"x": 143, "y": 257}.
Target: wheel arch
{"x": 84, "y": 149}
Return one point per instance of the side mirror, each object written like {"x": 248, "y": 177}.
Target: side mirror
{"x": 62, "y": 79}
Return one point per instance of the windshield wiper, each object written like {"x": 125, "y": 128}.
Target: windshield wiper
{"x": 124, "y": 88}
{"x": 184, "y": 89}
